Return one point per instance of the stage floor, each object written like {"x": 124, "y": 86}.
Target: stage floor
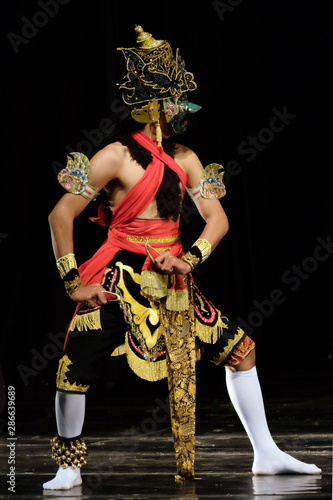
{"x": 131, "y": 453}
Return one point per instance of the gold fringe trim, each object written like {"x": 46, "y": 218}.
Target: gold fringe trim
{"x": 209, "y": 334}
{"x": 87, "y": 321}
{"x": 62, "y": 382}
{"x": 231, "y": 342}
{"x": 153, "y": 239}
{"x": 154, "y": 286}
{"x": 151, "y": 371}
{"x": 177, "y": 300}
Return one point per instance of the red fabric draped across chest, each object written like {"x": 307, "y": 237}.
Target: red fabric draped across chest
{"x": 125, "y": 220}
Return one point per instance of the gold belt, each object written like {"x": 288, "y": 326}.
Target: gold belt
{"x": 154, "y": 239}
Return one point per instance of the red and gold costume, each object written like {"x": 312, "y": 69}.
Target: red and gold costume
{"x": 161, "y": 322}
{"x": 164, "y": 318}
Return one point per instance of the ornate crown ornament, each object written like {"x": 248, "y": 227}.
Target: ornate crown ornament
{"x": 153, "y": 72}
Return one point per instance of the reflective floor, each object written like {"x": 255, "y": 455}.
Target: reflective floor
{"x": 131, "y": 451}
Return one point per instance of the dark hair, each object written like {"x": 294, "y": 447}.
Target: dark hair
{"x": 168, "y": 196}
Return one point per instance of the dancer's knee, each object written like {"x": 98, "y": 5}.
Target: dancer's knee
{"x": 243, "y": 357}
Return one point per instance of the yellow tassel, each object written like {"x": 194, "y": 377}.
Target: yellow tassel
{"x": 210, "y": 334}
{"x": 159, "y": 134}
{"x": 87, "y": 321}
{"x": 151, "y": 371}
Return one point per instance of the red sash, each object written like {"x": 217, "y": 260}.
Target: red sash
{"x": 124, "y": 217}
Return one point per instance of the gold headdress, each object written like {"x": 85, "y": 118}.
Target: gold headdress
{"x": 153, "y": 72}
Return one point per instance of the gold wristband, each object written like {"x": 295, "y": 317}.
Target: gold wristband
{"x": 71, "y": 285}
{"x": 191, "y": 259}
{"x": 69, "y": 273}
{"x": 66, "y": 263}
{"x": 200, "y": 251}
{"x": 205, "y": 248}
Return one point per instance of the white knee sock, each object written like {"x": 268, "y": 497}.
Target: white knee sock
{"x": 70, "y": 411}
{"x": 245, "y": 394}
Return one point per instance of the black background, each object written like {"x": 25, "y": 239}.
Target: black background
{"x": 252, "y": 59}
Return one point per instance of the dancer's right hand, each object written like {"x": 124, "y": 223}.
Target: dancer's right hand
{"x": 92, "y": 295}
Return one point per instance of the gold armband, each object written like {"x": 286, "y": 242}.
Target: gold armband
{"x": 199, "y": 252}
{"x": 69, "y": 273}
{"x": 212, "y": 186}
{"x": 74, "y": 177}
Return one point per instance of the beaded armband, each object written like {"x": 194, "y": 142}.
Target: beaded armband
{"x": 199, "y": 252}
{"x": 69, "y": 273}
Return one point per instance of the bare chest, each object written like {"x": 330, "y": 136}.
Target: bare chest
{"x": 129, "y": 174}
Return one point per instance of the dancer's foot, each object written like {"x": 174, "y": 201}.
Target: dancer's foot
{"x": 282, "y": 463}
{"x": 64, "y": 480}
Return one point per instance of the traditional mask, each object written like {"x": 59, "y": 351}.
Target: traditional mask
{"x": 176, "y": 111}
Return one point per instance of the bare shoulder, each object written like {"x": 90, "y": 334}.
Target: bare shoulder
{"x": 182, "y": 152}
{"x": 187, "y": 159}
{"x": 105, "y": 164}
{"x": 112, "y": 152}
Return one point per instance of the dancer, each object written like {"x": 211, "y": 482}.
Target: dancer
{"x": 136, "y": 295}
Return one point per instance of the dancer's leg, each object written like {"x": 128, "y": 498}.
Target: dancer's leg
{"x": 70, "y": 411}
{"x": 245, "y": 394}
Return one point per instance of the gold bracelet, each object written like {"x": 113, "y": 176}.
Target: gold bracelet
{"x": 73, "y": 283}
{"x": 69, "y": 273}
{"x": 205, "y": 248}
{"x": 199, "y": 252}
{"x": 66, "y": 263}
{"x": 191, "y": 259}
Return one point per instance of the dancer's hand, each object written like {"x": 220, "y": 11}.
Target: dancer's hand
{"x": 92, "y": 295}
{"x": 169, "y": 264}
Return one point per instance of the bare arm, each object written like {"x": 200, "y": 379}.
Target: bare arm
{"x": 103, "y": 169}
{"x": 210, "y": 210}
